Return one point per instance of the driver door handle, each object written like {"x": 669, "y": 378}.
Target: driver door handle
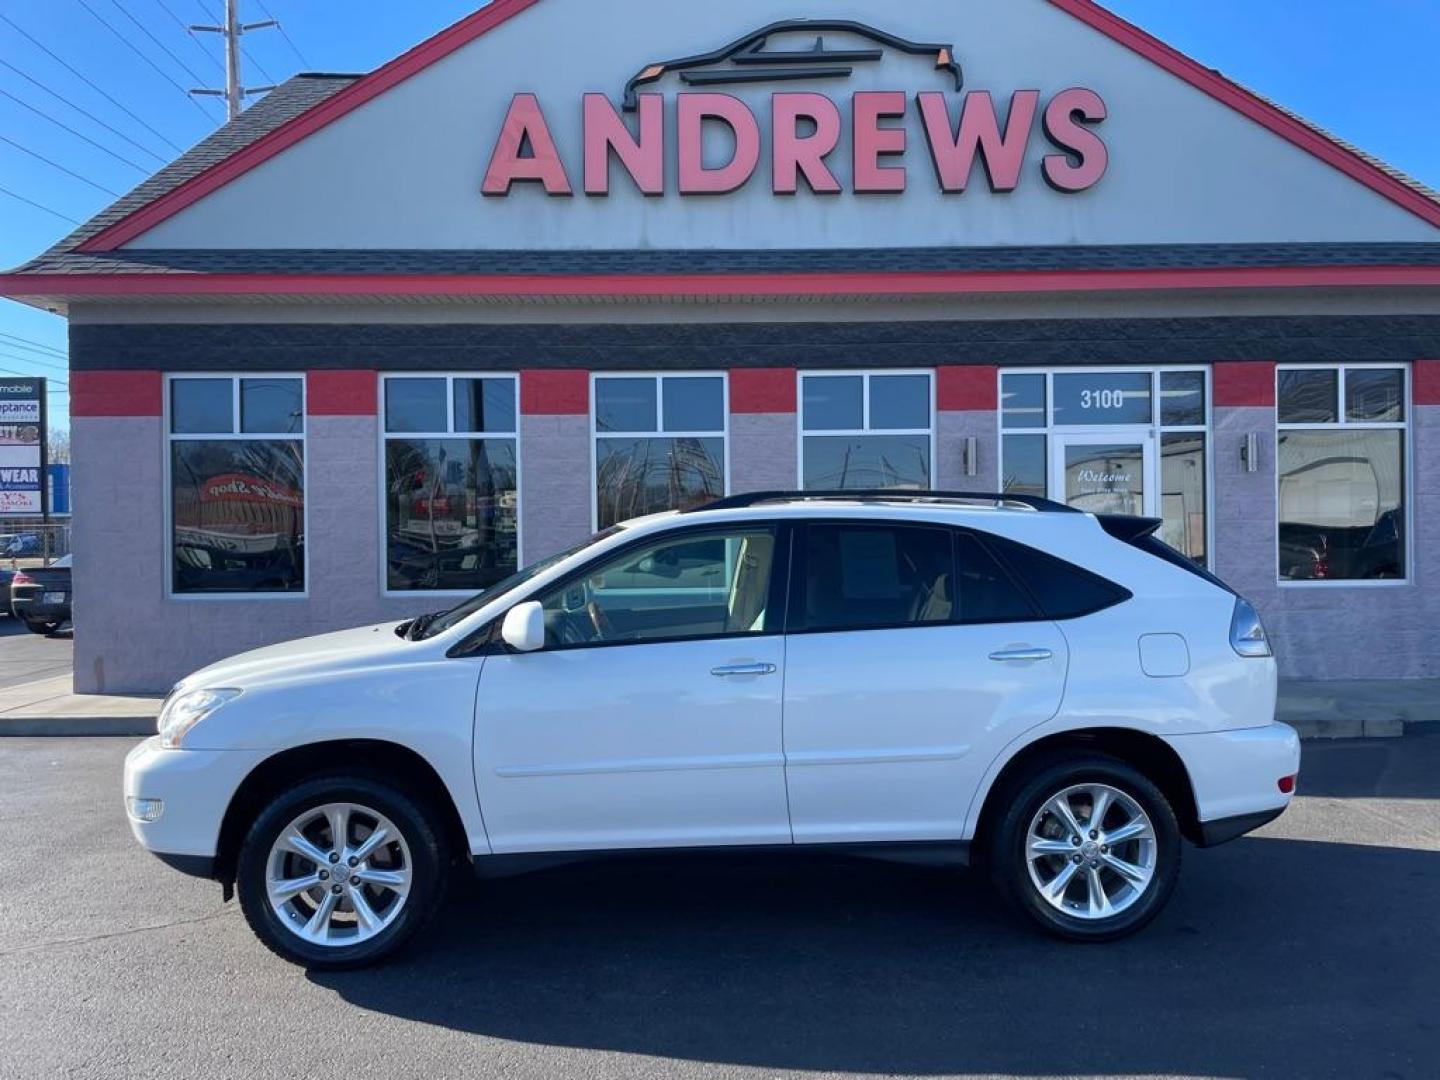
{"x": 726, "y": 671}
{"x": 1016, "y": 655}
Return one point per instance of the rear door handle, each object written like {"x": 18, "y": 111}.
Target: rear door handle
{"x": 726, "y": 671}
{"x": 1015, "y": 655}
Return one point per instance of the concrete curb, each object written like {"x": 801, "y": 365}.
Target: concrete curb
{"x": 130, "y": 727}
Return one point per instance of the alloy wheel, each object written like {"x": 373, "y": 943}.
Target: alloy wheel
{"x": 338, "y": 874}
{"x": 1091, "y": 851}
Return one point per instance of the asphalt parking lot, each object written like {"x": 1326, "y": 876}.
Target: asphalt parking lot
{"x": 26, "y": 657}
{"x": 1310, "y": 949}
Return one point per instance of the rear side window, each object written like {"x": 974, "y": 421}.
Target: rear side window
{"x": 864, "y": 577}
{"x": 987, "y": 593}
{"x": 1060, "y": 589}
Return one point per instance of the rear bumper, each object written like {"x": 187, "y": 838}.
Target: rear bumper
{"x": 1235, "y": 776}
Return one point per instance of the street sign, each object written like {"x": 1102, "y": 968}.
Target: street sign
{"x": 22, "y": 447}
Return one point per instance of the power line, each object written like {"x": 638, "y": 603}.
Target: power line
{"x": 39, "y": 206}
{"x": 82, "y": 111}
{"x": 281, "y": 27}
{"x": 32, "y": 375}
{"x": 90, "y": 82}
{"x": 145, "y": 56}
{"x": 190, "y": 34}
{"x": 57, "y": 165}
{"x": 28, "y": 360}
{"x": 78, "y": 134}
{"x": 158, "y": 43}
{"x": 31, "y": 345}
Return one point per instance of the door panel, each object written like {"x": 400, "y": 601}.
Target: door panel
{"x": 887, "y": 732}
{"x": 652, "y": 716}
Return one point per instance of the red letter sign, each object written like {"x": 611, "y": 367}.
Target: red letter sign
{"x": 644, "y": 159}
{"x": 1067, "y": 125}
{"x": 694, "y": 110}
{"x": 795, "y": 155}
{"x": 1002, "y": 156}
{"x": 873, "y": 142}
{"x": 525, "y": 124}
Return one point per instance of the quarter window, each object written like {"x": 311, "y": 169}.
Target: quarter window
{"x": 706, "y": 585}
{"x": 867, "y": 431}
{"x": 1341, "y": 461}
{"x": 451, "y": 482}
{"x": 659, "y": 444}
{"x": 236, "y": 458}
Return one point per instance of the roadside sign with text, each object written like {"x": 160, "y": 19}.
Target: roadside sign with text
{"x": 22, "y": 440}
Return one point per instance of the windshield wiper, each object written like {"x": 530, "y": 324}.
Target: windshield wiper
{"x": 417, "y": 626}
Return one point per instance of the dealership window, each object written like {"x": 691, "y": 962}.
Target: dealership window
{"x": 1127, "y": 441}
{"x": 451, "y": 482}
{"x": 659, "y": 443}
{"x": 236, "y": 460}
{"x": 865, "y": 431}
{"x": 1341, "y": 472}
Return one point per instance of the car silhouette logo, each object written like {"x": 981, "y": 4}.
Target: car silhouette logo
{"x": 766, "y": 56}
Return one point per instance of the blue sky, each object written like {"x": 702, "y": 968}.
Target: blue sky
{"x": 1369, "y": 78}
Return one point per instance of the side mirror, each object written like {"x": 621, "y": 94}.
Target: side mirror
{"x": 524, "y": 627}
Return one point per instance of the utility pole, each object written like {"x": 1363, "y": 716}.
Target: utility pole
{"x": 235, "y": 90}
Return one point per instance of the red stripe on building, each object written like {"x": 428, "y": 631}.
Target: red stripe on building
{"x": 116, "y": 393}
{"x": 762, "y": 390}
{"x": 1425, "y": 382}
{"x": 1240, "y": 384}
{"x": 967, "y": 388}
{"x": 341, "y": 393}
{"x": 555, "y": 393}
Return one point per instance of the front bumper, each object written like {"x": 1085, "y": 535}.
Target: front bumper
{"x": 194, "y": 789}
{"x": 1236, "y": 776}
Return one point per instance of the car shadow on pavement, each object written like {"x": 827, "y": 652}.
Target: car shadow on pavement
{"x": 1298, "y": 957}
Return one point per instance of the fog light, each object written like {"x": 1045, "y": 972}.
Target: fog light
{"x": 1286, "y": 784}
{"x": 145, "y": 809}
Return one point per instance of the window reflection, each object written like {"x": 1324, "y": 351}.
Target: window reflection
{"x": 867, "y": 462}
{"x": 238, "y": 516}
{"x": 1341, "y": 504}
{"x": 1182, "y": 493}
{"x": 450, "y": 511}
{"x": 634, "y": 477}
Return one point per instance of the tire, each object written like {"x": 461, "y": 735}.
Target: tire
{"x": 39, "y": 626}
{"x": 415, "y": 854}
{"x": 1076, "y": 913}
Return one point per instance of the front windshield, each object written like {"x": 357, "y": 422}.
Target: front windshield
{"x": 465, "y": 609}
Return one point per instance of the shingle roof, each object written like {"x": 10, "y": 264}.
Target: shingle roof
{"x": 284, "y": 103}
{"x": 782, "y": 261}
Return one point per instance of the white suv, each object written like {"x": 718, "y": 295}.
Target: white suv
{"x": 990, "y": 678}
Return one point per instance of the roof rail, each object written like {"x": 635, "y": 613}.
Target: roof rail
{"x": 997, "y": 499}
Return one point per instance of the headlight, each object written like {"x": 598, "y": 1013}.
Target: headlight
{"x": 184, "y": 711}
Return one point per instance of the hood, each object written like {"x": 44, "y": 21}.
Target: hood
{"x": 343, "y": 650}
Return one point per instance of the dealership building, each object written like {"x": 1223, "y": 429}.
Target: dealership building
{"x": 384, "y": 338}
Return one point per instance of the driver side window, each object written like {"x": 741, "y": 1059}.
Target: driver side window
{"x": 695, "y": 585}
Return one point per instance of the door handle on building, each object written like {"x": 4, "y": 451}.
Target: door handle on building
{"x": 1015, "y": 655}
{"x": 726, "y": 671}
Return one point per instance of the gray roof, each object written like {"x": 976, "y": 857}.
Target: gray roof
{"x": 782, "y": 261}
{"x": 284, "y": 103}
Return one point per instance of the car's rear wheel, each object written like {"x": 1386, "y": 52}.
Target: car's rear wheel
{"x": 41, "y": 626}
{"x": 340, "y": 871}
{"x": 1088, "y": 848}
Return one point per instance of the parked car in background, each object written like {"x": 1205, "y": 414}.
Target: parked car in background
{"x": 20, "y": 545}
{"x": 40, "y": 596}
{"x": 6, "y": 575}
{"x": 1054, "y": 695}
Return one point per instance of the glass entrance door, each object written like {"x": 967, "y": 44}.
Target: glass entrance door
{"x": 1105, "y": 474}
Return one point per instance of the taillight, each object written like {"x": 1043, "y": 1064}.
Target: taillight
{"x": 1247, "y": 632}
{"x": 22, "y": 578}
{"x": 1286, "y": 784}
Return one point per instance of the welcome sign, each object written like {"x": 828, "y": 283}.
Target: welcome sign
{"x": 22, "y": 440}
{"x": 961, "y": 130}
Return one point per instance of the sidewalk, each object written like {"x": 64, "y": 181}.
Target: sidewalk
{"x": 1350, "y": 709}
{"x": 48, "y": 707}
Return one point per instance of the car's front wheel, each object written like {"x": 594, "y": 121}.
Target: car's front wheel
{"x": 340, "y": 871}
{"x": 1088, "y": 848}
